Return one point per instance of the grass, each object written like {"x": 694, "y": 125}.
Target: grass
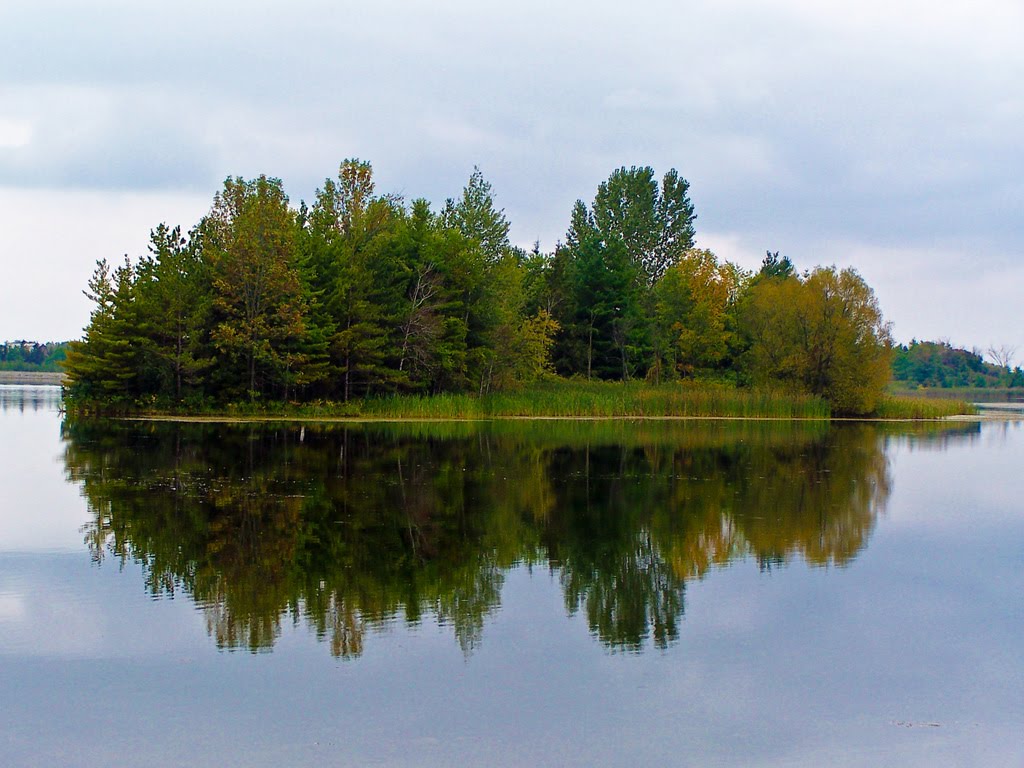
{"x": 920, "y": 408}
{"x": 590, "y": 399}
{"x": 968, "y": 394}
{"x": 557, "y": 399}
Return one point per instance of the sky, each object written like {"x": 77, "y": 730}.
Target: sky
{"x": 883, "y": 136}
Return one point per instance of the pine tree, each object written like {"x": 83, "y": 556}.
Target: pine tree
{"x": 257, "y": 301}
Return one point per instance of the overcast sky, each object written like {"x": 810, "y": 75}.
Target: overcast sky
{"x": 886, "y": 136}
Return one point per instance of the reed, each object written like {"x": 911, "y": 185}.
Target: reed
{"x": 920, "y": 408}
{"x": 590, "y": 399}
{"x": 560, "y": 399}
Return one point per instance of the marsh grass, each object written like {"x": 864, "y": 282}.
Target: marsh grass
{"x": 556, "y": 399}
{"x": 966, "y": 394}
{"x": 588, "y": 399}
{"x": 919, "y": 408}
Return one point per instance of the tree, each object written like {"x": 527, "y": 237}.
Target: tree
{"x": 655, "y": 224}
{"x": 174, "y": 297}
{"x": 823, "y": 333}
{"x": 1002, "y": 355}
{"x": 847, "y": 344}
{"x": 345, "y": 246}
{"x": 693, "y": 301}
{"x": 607, "y": 319}
{"x": 441, "y": 270}
{"x": 104, "y": 365}
{"x": 257, "y": 290}
{"x": 517, "y": 347}
{"x": 769, "y": 332}
{"x": 475, "y": 216}
{"x": 774, "y": 266}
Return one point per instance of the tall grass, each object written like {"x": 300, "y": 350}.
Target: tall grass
{"x": 561, "y": 399}
{"x": 968, "y": 394}
{"x": 590, "y": 399}
{"x": 890, "y": 407}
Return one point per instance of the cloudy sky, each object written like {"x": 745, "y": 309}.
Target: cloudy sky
{"x": 886, "y": 136}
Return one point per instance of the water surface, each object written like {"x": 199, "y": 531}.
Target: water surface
{"x": 535, "y": 593}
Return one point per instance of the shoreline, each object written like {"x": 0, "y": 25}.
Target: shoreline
{"x": 43, "y": 378}
{"x": 555, "y": 400}
{"x": 225, "y": 419}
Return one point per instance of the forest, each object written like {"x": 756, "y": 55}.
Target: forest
{"x": 362, "y": 295}
{"x": 32, "y": 355}
{"x": 939, "y": 364}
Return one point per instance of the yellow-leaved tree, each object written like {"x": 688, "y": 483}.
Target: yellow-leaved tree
{"x": 822, "y": 333}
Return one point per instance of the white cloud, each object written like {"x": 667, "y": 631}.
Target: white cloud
{"x": 15, "y": 134}
{"x": 799, "y": 124}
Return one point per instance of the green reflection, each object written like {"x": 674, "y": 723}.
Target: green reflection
{"x": 350, "y": 528}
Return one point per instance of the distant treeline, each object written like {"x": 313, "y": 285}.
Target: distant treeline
{"x": 938, "y": 364}
{"x": 32, "y": 355}
{"x": 362, "y": 294}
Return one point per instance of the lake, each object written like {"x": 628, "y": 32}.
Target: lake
{"x": 707, "y": 593}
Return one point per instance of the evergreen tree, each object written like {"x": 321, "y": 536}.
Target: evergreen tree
{"x": 347, "y": 230}
{"x": 104, "y": 365}
{"x": 174, "y": 296}
{"x": 258, "y": 299}
{"x": 475, "y": 216}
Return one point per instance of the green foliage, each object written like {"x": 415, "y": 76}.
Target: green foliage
{"x": 822, "y": 333}
{"x": 23, "y": 355}
{"x": 772, "y": 266}
{"x": 353, "y": 280}
{"x": 173, "y": 296}
{"x": 693, "y": 303}
{"x": 258, "y": 310}
{"x": 939, "y": 364}
{"x": 606, "y": 321}
{"x": 361, "y": 296}
{"x": 475, "y": 216}
{"x": 919, "y": 408}
{"x": 655, "y": 224}
{"x": 105, "y": 365}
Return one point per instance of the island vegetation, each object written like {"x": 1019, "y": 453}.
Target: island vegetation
{"x": 363, "y": 302}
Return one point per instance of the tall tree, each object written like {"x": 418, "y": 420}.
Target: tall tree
{"x": 654, "y": 223}
{"x": 607, "y": 318}
{"x": 345, "y": 242}
{"x": 257, "y": 290}
{"x": 174, "y": 294}
{"x": 693, "y": 301}
{"x": 823, "y": 333}
{"x": 104, "y": 366}
{"x": 476, "y": 216}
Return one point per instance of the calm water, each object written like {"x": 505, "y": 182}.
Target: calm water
{"x": 540, "y": 593}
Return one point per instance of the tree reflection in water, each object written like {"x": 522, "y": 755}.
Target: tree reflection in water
{"x": 350, "y": 528}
